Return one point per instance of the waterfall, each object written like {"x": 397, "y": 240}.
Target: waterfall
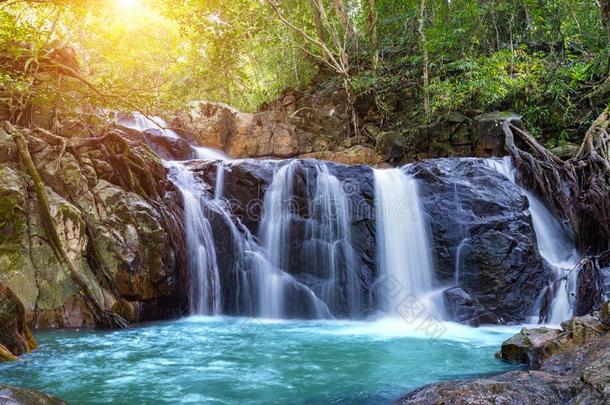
{"x": 403, "y": 241}
{"x": 555, "y": 247}
{"x": 278, "y": 215}
{"x": 275, "y": 237}
{"x": 220, "y": 181}
{"x": 204, "y": 282}
{"x": 328, "y": 246}
{"x": 255, "y": 277}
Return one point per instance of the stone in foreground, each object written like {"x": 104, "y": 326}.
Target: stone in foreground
{"x": 21, "y": 396}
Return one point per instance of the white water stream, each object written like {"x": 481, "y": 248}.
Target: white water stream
{"x": 555, "y": 247}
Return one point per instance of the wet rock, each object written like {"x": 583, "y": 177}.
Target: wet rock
{"x": 531, "y": 346}
{"x": 15, "y": 336}
{"x": 575, "y": 370}
{"x": 21, "y": 396}
{"x": 482, "y": 234}
{"x": 521, "y": 387}
{"x": 535, "y": 346}
{"x": 591, "y": 283}
{"x": 460, "y": 307}
{"x": 169, "y": 148}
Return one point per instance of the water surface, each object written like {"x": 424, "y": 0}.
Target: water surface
{"x": 237, "y": 360}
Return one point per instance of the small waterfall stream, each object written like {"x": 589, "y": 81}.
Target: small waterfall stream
{"x": 328, "y": 246}
{"x": 205, "y": 293}
{"x": 403, "y": 247}
{"x": 555, "y": 247}
{"x": 204, "y": 283}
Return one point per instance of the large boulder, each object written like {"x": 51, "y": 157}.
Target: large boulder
{"x": 531, "y": 346}
{"x": 120, "y": 228}
{"x": 462, "y": 308}
{"x": 489, "y": 137}
{"x": 483, "y": 236}
{"x": 240, "y": 134}
{"x": 354, "y": 155}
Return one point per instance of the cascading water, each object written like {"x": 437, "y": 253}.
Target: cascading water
{"x": 555, "y": 247}
{"x": 204, "y": 283}
{"x": 328, "y": 246}
{"x": 403, "y": 247}
{"x": 143, "y": 123}
{"x": 275, "y": 234}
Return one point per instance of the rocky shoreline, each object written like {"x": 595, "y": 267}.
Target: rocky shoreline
{"x": 570, "y": 365}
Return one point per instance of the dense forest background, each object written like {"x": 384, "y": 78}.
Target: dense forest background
{"x": 419, "y": 61}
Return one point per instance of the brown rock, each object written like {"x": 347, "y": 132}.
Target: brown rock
{"x": 15, "y": 335}
{"x": 578, "y": 374}
{"x": 488, "y": 137}
{"x": 358, "y": 154}
{"x": 21, "y": 396}
{"x": 530, "y": 346}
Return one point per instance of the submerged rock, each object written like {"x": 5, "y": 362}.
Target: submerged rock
{"x": 21, "y": 396}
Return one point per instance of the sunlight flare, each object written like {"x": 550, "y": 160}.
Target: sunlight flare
{"x": 128, "y": 4}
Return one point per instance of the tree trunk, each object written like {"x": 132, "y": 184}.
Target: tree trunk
{"x": 604, "y": 6}
{"x": 372, "y": 19}
{"x": 346, "y": 22}
{"x": 424, "y": 49}
{"x": 317, "y": 19}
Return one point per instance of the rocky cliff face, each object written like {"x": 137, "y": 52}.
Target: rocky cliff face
{"x": 118, "y": 222}
{"x": 314, "y": 125}
{"x": 270, "y": 134}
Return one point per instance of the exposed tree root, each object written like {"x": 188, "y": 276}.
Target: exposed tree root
{"x": 590, "y": 282}
{"x": 577, "y": 190}
{"x": 102, "y": 316}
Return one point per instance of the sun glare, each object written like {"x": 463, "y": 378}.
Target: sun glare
{"x": 128, "y": 3}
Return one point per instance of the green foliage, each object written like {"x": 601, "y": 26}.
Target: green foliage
{"x": 535, "y": 57}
